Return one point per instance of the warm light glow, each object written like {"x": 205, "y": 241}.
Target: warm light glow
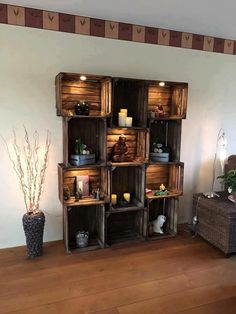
{"x": 83, "y": 77}
{"x": 162, "y": 84}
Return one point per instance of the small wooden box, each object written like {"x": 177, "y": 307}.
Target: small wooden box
{"x": 216, "y": 221}
{"x": 80, "y": 160}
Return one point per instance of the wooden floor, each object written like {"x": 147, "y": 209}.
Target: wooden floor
{"x": 181, "y": 275}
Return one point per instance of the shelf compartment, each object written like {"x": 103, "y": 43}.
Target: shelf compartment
{"x": 84, "y": 218}
{"x": 96, "y": 91}
{"x": 130, "y": 94}
{"x": 137, "y": 142}
{"x": 168, "y": 208}
{"x": 171, "y": 175}
{"x": 99, "y": 177}
{"x": 124, "y": 226}
{"x": 173, "y": 98}
{"x": 92, "y": 133}
{"x": 134, "y": 205}
{"x": 167, "y": 133}
{"x": 129, "y": 180}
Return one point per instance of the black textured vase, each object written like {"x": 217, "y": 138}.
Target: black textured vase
{"x": 33, "y": 226}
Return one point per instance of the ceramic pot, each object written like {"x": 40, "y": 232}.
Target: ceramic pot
{"x": 33, "y": 225}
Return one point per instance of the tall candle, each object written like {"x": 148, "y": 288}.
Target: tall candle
{"x": 114, "y": 199}
{"x": 125, "y": 111}
{"x": 128, "y": 121}
{"x": 122, "y": 118}
{"x": 127, "y": 197}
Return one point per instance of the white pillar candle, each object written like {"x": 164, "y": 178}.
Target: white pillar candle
{"x": 122, "y": 118}
{"x": 114, "y": 199}
{"x": 127, "y": 197}
{"x": 128, "y": 121}
{"x": 125, "y": 111}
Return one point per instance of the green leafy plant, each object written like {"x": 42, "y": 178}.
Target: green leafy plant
{"x": 229, "y": 179}
{"x": 79, "y": 146}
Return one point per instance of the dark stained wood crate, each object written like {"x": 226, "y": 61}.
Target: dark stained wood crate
{"x": 216, "y": 221}
{"x": 171, "y": 175}
{"x": 96, "y": 90}
{"x": 137, "y": 141}
{"x": 92, "y": 132}
{"x": 124, "y": 226}
{"x": 89, "y": 218}
{"x": 173, "y": 98}
{"x": 164, "y": 206}
{"x": 130, "y": 94}
{"x": 167, "y": 132}
{"x": 129, "y": 180}
{"x": 98, "y": 178}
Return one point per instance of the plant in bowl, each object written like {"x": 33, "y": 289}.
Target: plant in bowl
{"x": 229, "y": 179}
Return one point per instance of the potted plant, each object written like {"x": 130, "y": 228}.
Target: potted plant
{"x": 160, "y": 152}
{"x": 229, "y": 179}
{"x": 82, "y": 155}
{"x": 29, "y": 162}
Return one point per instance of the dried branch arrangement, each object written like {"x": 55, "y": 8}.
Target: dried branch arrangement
{"x": 29, "y": 162}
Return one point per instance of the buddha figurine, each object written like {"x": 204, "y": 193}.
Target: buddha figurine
{"x": 120, "y": 151}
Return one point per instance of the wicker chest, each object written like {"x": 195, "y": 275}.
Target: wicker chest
{"x": 216, "y": 221}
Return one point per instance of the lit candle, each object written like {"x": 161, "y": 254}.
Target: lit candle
{"x": 125, "y": 111}
{"x": 114, "y": 199}
{"x": 122, "y": 118}
{"x": 127, "y": 197}
{"x": 128, "y": 121}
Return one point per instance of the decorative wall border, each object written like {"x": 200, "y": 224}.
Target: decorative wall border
{"x": 48, "y": 20}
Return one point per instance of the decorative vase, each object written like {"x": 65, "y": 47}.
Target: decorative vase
{"x": 82, "y": 238}
{"x": 33, "y": 225}
{"x": 82, "y": 109}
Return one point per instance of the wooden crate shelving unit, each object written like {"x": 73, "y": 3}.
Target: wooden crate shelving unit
{"x": 96, "y": 90}
{"x": 113, "y": 224}
{"x": 162, "y": 206}
{"x": 90, "y": 131}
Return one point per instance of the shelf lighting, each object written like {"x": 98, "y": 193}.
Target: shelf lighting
{"x": 162, "y": 84}
{"x": 83, "y": 78}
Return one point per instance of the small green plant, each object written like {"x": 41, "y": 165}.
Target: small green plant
{"x": 229, "y": 179}
{"x": 79, "y": 146}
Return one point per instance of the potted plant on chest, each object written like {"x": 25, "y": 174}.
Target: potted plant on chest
{"x": 29, "y": 162}
{"x": 229, "y": 179}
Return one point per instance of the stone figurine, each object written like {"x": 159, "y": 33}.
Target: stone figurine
{"x": 120, "y": 151}
{"x": 158, "y": 223}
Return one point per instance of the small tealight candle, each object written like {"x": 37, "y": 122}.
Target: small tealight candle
{"x": 122, "y": 118}
{"x": 114, "y": 199}
{"x": 125, "y": 111}
{"x": 128, "y": 121}
{"x": 127, "y": 197}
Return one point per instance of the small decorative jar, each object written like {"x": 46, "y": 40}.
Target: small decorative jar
{"x": 82, "y": 108}
{"x": 82, "y": 238}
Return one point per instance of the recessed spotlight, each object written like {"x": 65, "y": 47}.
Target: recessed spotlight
{"x": 83, "y": 77}
{"x": 162, "y": 84}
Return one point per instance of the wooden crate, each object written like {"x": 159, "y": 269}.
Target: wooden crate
{"x": 96, "y": 90}
{"x": 167, "y": 133}
{"x": 173, "y": 98}
{"x": 130, "y": 94}
{"x": 98, "y": 178}
{"x": 128, "y": 180}
{"x": 124, "y": 226}
{"x": 89, "y": 218}
{"x": 137, "y": 141}
{"x": 170, "y": 174}
{"x": 164, "y": 206}
{"x": 91, "y": 131}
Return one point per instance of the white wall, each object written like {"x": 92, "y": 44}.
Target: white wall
{"x": 29, "y": 62}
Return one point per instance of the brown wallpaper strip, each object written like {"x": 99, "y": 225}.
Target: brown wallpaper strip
{"x": 15, "y": 15}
